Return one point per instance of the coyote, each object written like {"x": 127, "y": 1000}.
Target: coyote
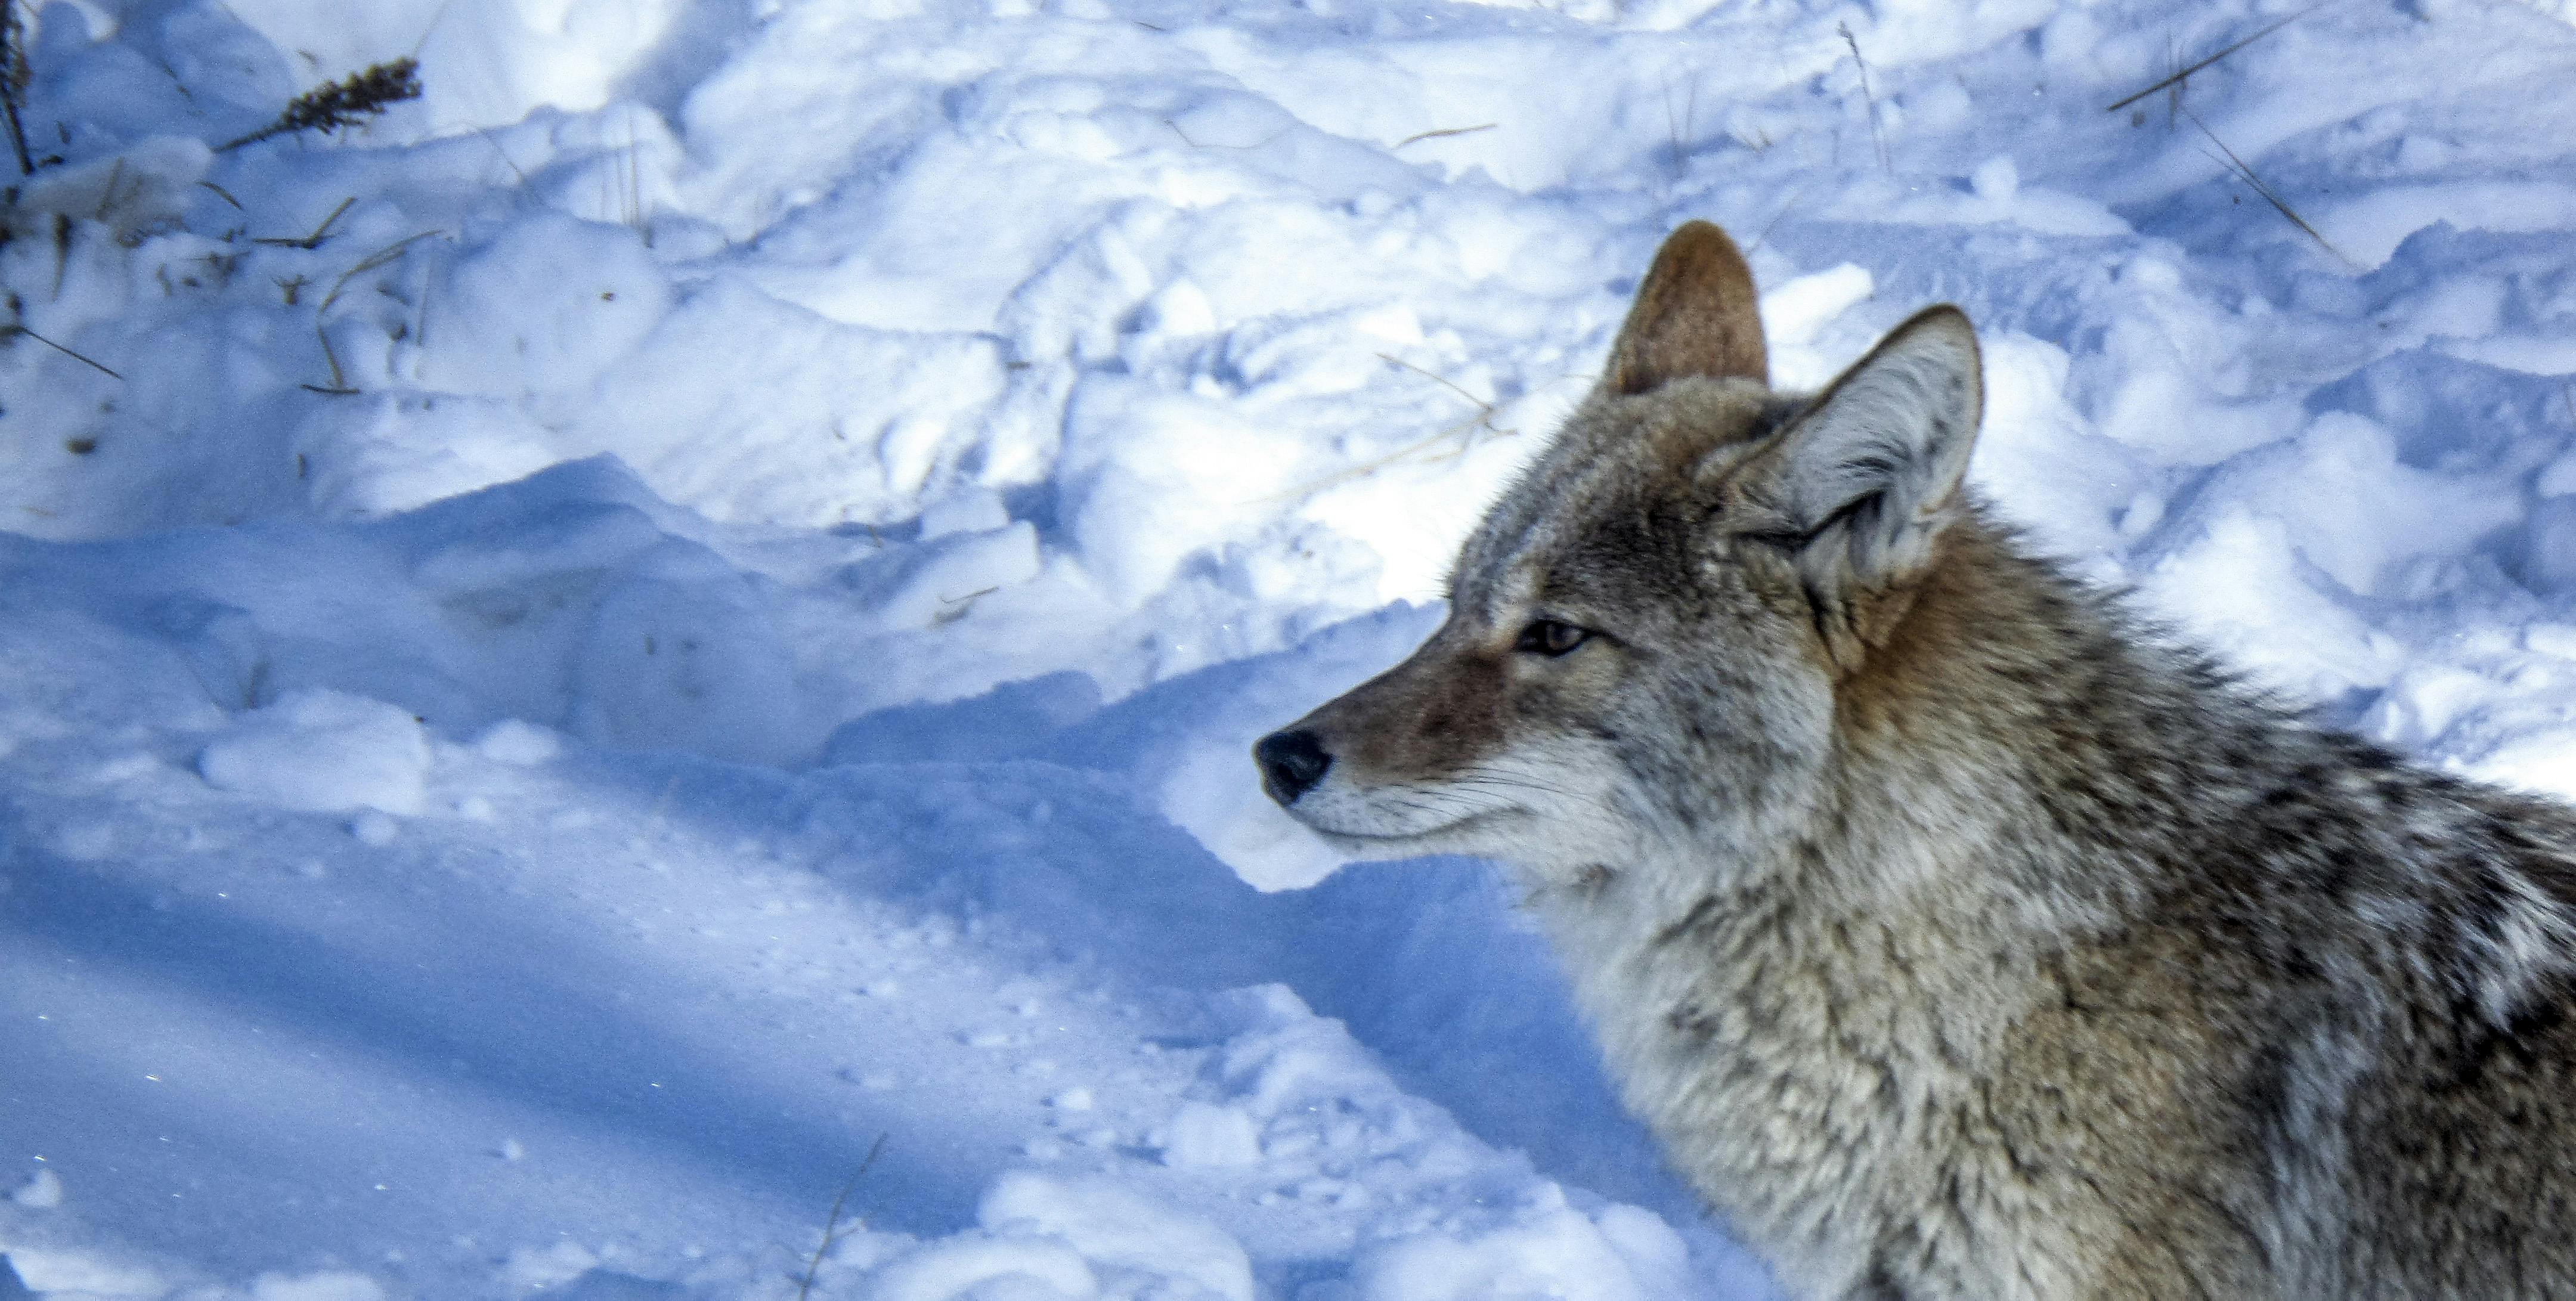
{"x": 1958, "y": 932}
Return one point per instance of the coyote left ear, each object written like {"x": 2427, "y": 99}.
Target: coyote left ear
{"x": 1694, "y": 315}
{"x": 1861, "y": 484}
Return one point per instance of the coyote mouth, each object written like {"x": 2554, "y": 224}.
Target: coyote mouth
{"x": 1393, "y": 837}
{"x": 1376, "y": 825}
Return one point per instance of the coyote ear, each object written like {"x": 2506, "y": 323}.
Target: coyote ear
{"x": 1694, "y": 315}
{"x": 1864, "y": 480}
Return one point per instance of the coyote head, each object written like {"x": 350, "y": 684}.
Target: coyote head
{"x": 1651, "y": 633}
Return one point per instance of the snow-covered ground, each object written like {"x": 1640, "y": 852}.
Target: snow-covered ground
{"x": 665, "y": 640}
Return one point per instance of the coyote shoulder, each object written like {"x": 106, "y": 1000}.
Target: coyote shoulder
{"x": 1958, "y": 933}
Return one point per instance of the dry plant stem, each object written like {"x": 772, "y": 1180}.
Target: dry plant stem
{"x": 2246, "y": 174}
{"x": 312, "y": 241}
{"x": 7, "y": 330}
{"x": 339, "y": 386}
{"x": 1785, "y": 206}
{"x": 2178, "y": 78}
{"x": 832, "y": 1226}
{"x": 1678, "y": 128}
{"x": 1372, "y": 466}
{"x": 13, "y": 81}
{"x": 2173, "y": 93}
{"x": 335, "y": 104}
{"x": 1485, "y": 408}
{"x": 1877, "y": 138}
{"x": 1445, "y": 131}
{"x": 505, "y": 154}
{"x": 62, "y": 250}
{"x": 1484, "y": 418}
{"x": 107, "y": 198}
{"x": 631, "y": 197}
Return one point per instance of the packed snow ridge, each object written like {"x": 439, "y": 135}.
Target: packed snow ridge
{"x": 633, "y": 680}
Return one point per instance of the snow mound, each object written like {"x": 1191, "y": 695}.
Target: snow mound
{"x": 322, "y": 751}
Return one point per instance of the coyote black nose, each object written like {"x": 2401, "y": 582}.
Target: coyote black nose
{"x": 1291, "y": 764}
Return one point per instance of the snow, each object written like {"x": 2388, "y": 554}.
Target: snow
{"x": 318, "y": 751}
{"x": 688, "y": 608}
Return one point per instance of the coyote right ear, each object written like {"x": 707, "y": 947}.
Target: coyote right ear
{"x": 1694, "y": 315}
{"x": 1862, "y": 481}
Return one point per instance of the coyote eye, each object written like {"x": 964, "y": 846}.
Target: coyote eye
{"x": 1550, "y": 638}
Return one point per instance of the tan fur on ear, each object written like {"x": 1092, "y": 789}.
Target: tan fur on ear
{"x": 1694, "y": 315}
{"x": 1859, "y": 488}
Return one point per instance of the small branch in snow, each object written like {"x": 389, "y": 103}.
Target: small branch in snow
{"x": 8, "y": 331}
{"x": 1487, "y": 408}
{"x": 1785, "y": 205}
{"x": 13, "y": 80}
{"x": 505, "y": 154}
{"x": 1185, "y": 138}
{"x": 2179, "y": 77}
{"x": 832, "y": 1230}
{"x": 1877, "y": 138}
{"x": 958, "y": 607}
{"x": 107, "y": 196}
{"x": 312, "y": 241}
{"x": 62, "y": 249}
{"x": 1420, "y": 136}
{"x": 1464, "y": 431}
{"x": 339, "y": 385}
{"x": 1678, "y": 128}
{"x": 2246, "y": 174}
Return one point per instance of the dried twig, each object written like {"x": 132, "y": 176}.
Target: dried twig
{"x": 348, "y": 102}
{"x": 312, "y": 241}
{"x": 505, "y": 154}
{"x": 14, "y": 75}
{"x": 626, "y": 176}
{"x": 2246, "y": 174}
{"x": 1676, "y": 129}
{"x": 107, "y": 196}
{"x": 832, "y": 1231}
{"x": 1185, "y": 138}
{"x": 14, "y": 329}
{"x": 1487, "y": 408}
{"x": 2179, "y": 77}
{"x": 1444, "y": 131}
{"x": 339, "y": 386}
{"x": 1877, "y": 139}
{"x": 1464, "y": 431}
{"x": 1795, "y": 193}
{"x": 1371, "y": 466}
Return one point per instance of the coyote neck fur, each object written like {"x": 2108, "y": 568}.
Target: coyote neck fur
{"x": 1897, "y": 1029}
{"x": 1839, "y": 1013}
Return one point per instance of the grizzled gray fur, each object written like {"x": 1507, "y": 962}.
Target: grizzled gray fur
{"x": 1959, "y": 934}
